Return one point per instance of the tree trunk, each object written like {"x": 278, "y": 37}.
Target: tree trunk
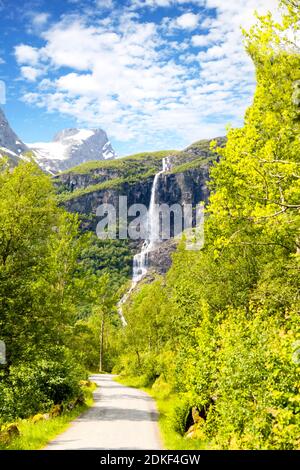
{"x": 101, "y": 343}
{"x": 138, "y": 358}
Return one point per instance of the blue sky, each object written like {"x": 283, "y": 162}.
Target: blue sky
{"x": 154, "y": 74}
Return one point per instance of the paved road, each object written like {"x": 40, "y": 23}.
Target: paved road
{"x": 121, "y": 418}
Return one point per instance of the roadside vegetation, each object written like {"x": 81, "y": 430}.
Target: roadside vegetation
{"x": 216, "y": 341}
{"x": 34, "y": 433}
{"x": 55, "y": 292}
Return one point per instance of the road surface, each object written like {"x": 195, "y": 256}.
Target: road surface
{"x": 121, "y": 418}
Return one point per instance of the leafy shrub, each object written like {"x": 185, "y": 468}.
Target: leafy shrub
{"x": 180, "y": 415}
{"x": 35, "y": 387}
{"x": 161, "y": 388}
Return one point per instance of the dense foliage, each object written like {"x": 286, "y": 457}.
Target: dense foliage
{"x": 222, "y": 329}
{"x": 49, "y": 276}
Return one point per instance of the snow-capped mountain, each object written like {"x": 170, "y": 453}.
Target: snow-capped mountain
{"x": 10, "y": 144}
{"x": 71, "y": 147}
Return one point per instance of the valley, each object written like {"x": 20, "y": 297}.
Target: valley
{"x": 182, "y": 340}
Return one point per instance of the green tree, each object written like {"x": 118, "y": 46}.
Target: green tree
{"x": 37, "y": 257}
{"x": 38, "y": 294}
{"x": 230, "y": 313}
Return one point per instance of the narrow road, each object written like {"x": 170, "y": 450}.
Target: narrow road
{"x": 121, "y": 418}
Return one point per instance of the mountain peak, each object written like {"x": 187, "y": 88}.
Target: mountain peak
{"x": 74, "y": 133}
{"x": 71, "y": 147}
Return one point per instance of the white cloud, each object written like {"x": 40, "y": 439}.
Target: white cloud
{"x": 200, "y": 40}
{"x": 104, "y": 4}
{"x": 30, "y": 73}
{"x": 27, "y": 54}
{"x": 135, "y": 4}
{"x": 187, "y": 21}
{"x": 40, "y": 19}
{"x": 121, "y": 73}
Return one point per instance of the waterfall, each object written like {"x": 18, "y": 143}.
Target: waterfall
{"x": 141, "y": 259}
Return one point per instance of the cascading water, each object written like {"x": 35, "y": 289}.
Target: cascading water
{"x": 141, "y": 259}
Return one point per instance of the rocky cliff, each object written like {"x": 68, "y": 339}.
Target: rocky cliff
{"x": 10, "y": 144}
{"x": 189, "y": 186}
{"x": 84, "y": 188}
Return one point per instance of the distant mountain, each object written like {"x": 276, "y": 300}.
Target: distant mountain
{"x": 10, "y": 144}
{"x": 72, "y": 147}
{"x": 69, "y": 148}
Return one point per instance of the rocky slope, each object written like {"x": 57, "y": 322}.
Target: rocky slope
{"x": 10, "y": 144}
{"x": 84, "y": 188}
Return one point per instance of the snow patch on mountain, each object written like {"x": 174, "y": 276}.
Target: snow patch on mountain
{"x": 69, "y": 148}
{"x": 72, "y": 147}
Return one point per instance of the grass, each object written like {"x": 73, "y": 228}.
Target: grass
{"x": 197, "y": 163}
{"x": 35, "y": 436}
{"x": 119, "y": 163}
{"x": 165, "y": 402}
{"x": 114, "y": 183}
{"x": 204, "y": 144}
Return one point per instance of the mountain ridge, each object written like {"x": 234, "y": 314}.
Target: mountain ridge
{"x": 70, "y": 147}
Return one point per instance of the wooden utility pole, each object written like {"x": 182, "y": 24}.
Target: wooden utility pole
{"x": 101, "y": 342}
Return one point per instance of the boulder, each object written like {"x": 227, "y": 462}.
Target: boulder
{"x": 85, "y": 383}
{"x": 9, "y": 432}
{"x": 196, "y": 431}
{"x": 56, "y": 410}
{"x": 12, "y": 430}
{"x": 37, "y": 418}
{"x": 196, "y": 415}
